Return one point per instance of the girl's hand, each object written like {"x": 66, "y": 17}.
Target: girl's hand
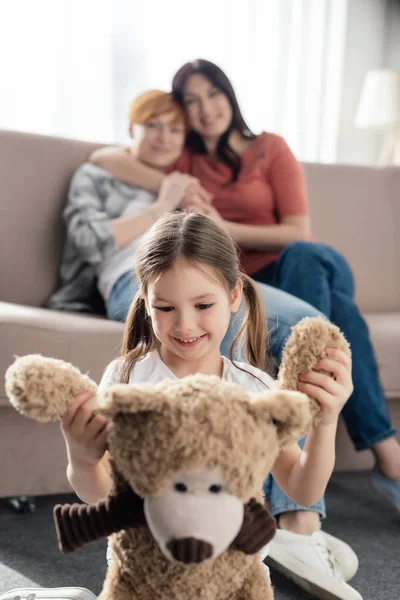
{"x": 332, "y": 393}
{"x": 85, "y": 432}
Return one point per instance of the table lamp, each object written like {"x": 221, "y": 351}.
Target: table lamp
{"x": 379, "y": 110}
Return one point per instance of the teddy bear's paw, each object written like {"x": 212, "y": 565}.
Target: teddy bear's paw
{"x": 43, "y": 388}
{"x": 305, "y": 347}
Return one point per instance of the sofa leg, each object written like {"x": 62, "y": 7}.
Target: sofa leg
{"x": 22, "y": 504}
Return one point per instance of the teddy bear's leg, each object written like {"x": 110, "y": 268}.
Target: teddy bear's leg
{"x": 117, "y": 587}
{"x": 257, "y": 586}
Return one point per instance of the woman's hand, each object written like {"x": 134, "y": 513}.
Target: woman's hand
{"x": 196, "y": 198}
{"x": 85, "y": 432}
{"x": 213, "y": 214}
{"x": 172, "y": 191}
{"x": 179, "y": 189}
{"x": 332, "y": 393}
{"x": 210, "y": 211}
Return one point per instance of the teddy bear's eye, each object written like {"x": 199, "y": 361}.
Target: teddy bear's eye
{"x": 181, "y": 487}
{"x": 276, "y": 422}
{"x": 215, "y": 488}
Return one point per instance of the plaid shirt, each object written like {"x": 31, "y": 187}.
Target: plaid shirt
{"x": 94, "y": 198}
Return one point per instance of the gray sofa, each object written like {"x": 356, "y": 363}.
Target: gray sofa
{"x": 355, "y": 209}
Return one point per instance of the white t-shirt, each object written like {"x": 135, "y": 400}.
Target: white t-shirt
{"x": 123, "y": 260}
{"x": 151, "y": 369}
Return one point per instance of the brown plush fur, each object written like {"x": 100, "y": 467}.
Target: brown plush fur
{"x": 179, "y": 426}
{"x": 43, "y": 388}
{"x": 232, "y": 575}
{"x": 306, "y": 345}
{"x": 199, "y": 421}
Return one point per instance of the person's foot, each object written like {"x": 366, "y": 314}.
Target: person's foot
{"x": 388, "y": 488}
{"x": 309, "y": 562}
{"x": 344, "y": 554}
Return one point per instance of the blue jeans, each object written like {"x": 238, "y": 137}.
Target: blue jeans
{"x": 321, "y": 276}
{"x": 121, "y": 296}
{"x": 283, "y": 312}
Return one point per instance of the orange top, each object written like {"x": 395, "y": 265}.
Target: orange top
{"x": 270, "y": 186}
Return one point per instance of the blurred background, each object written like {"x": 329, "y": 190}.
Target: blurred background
{"x": 71, "y": 67}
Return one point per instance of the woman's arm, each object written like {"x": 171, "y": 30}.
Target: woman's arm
{"x": 291, "y": 229}
{"x": 284, "y": 175}
{"x": 263, "y": 237}
{"x": 89, "y": 226}
{"x": 123, "y": 165}
{"x": 128, "y": 228}
{"x": 86, "y": 219}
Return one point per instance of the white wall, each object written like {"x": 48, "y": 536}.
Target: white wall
{"x": 365, "y": 49}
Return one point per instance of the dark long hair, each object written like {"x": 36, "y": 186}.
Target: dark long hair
{"x": 218, "y": 79}
{"x": 199, "y": 241}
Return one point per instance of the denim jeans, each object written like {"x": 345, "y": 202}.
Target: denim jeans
{"x": 121, "y": 296}
{"x": 283, "y": 311}
{"x": 321, "y": 276}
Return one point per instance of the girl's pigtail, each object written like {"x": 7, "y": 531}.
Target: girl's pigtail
{"x": 253, "y": 326}
{"x": 139, "y": 338}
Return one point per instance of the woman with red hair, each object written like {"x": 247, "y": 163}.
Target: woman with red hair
{"x": 105, "y": 217}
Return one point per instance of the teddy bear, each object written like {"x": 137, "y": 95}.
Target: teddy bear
{"x": 188, "y": 459}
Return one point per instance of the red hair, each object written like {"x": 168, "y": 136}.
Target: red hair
{"x": 154, "y": 103}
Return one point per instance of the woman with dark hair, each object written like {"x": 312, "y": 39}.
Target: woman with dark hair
{"x": 259, "y": 197}
{"x": 194, "y": 140}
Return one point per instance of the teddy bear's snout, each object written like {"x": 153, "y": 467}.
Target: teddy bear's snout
{"x": 190, "y": 550}
{"x": 197, "y": 518}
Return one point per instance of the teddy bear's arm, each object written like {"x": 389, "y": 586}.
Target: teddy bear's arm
{"x": 77, "y": 524}
{"x": 258, "y": 528}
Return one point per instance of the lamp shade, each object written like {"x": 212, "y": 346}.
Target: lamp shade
{"x": 379, "y": 106}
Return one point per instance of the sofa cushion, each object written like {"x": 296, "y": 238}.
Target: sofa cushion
{"x": 35, "y": 171}
{"x": 356, "y": 209}
{"x": 88, "y": 342}
{"x": 385, "y": 335}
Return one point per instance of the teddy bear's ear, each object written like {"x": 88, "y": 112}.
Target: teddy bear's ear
{"x": 131, "y": 398}
{"x": 289, "y": 411}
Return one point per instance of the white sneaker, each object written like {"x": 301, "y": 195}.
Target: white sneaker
{"x": 308, "y": 561}
{"x": 344, "y": 554}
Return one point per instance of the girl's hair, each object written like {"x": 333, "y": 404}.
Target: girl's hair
{"x": 201, "y": 242}
{"x": 154, "y": 103}
{"x": 218, "y": 79}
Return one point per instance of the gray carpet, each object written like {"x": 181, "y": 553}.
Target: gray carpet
{"x": 29, "y": 554}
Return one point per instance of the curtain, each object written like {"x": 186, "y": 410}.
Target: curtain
{"x": 71, "y": 67}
